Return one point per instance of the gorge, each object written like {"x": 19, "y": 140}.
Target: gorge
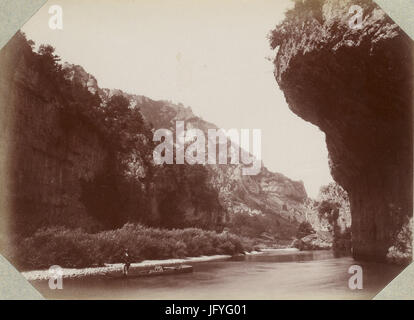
{"x": 79, "y": 157}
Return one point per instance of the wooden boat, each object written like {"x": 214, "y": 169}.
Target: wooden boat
{"x": 156, "y": 271}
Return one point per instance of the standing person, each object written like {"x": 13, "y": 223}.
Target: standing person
{"x": 127, "y": 262}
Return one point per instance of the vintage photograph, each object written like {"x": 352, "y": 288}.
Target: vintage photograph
{"x": 232, "y": 149}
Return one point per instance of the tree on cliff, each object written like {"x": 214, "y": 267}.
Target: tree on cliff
{"x": 304, "y": 229}
{"x": 125, "y": 128}
{"x": 303, "y": 10}
{"x": 333, "y": 207}
{"x": 48, "y": 61}
{"x": 117, "y": 194}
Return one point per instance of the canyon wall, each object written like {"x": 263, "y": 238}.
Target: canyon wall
{"x": 58, "y": 159}
{"x": 269, "y": 193}
{"x": 48, "y": 153}
{"x": 356, "y": 84}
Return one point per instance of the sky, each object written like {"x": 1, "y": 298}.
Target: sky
{"x": 210, "y": 55}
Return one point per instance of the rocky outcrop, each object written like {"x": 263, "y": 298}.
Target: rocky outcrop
{"x": 314, "y": 241}
{"x": 356, "y": 85}
{"x": 337, "y": 197}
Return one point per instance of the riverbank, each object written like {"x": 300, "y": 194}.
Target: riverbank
{"x": 76, "y": 248}
{"x": 115, "y": 268}
{"x": 110, "y": 269}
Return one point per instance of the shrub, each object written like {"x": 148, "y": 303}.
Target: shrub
{"x": 402, "y": 250}
{"x": 304, "y": 229}
{"x": 77, "y": 248}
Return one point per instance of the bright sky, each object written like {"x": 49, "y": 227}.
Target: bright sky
{"x": 207, "y": 54}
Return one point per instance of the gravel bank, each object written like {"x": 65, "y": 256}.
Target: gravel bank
{"x": 112, "y": 269}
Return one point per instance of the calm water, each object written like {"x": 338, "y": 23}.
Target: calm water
{"x": 272, "y": 275}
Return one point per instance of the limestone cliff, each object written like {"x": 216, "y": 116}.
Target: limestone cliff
{"x": 335, "y": 195}
{"x": 356, "y": 85}
{"x": 59, "y": 160}
{"x": 46, "y": 153}
{"x": 266, "y": 193}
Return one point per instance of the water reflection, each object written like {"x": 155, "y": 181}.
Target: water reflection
{"x": 286, "y": 255}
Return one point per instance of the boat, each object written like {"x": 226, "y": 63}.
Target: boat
{"x": 156, "y": 271}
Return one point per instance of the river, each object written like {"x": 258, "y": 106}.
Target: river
{"x": 280, "y": 274}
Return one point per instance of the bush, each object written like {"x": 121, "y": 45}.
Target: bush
{"x": 304, "y": 230}
{"x": 402, "y": 251}
{"x": 77, "y": 248}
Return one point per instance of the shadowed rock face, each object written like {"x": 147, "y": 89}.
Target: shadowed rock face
{"x": 356, "y": 86}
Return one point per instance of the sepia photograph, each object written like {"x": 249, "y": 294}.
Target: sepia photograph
{"x": 207, "y": 150}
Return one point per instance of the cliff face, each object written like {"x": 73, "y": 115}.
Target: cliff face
{"x": 265, "y": 193}
{"x": 47, "y": 153}
{"x": 334, "y": 194}
{"x": 356, "y": 85}
{"x": 66, "y": 160}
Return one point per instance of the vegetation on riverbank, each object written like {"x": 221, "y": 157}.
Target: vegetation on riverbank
{"x": 331, "y": 219}
{"x": 77, "y": 248}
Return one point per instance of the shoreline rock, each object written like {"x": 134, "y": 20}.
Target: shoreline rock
{"x": 314, "y": 241}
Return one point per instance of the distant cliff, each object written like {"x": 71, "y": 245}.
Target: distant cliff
{"x": 80, "y": 156}
{"x": 266, "y": 193}
{"x": 356, "y": 85}
{"x": 334, "y": 196}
